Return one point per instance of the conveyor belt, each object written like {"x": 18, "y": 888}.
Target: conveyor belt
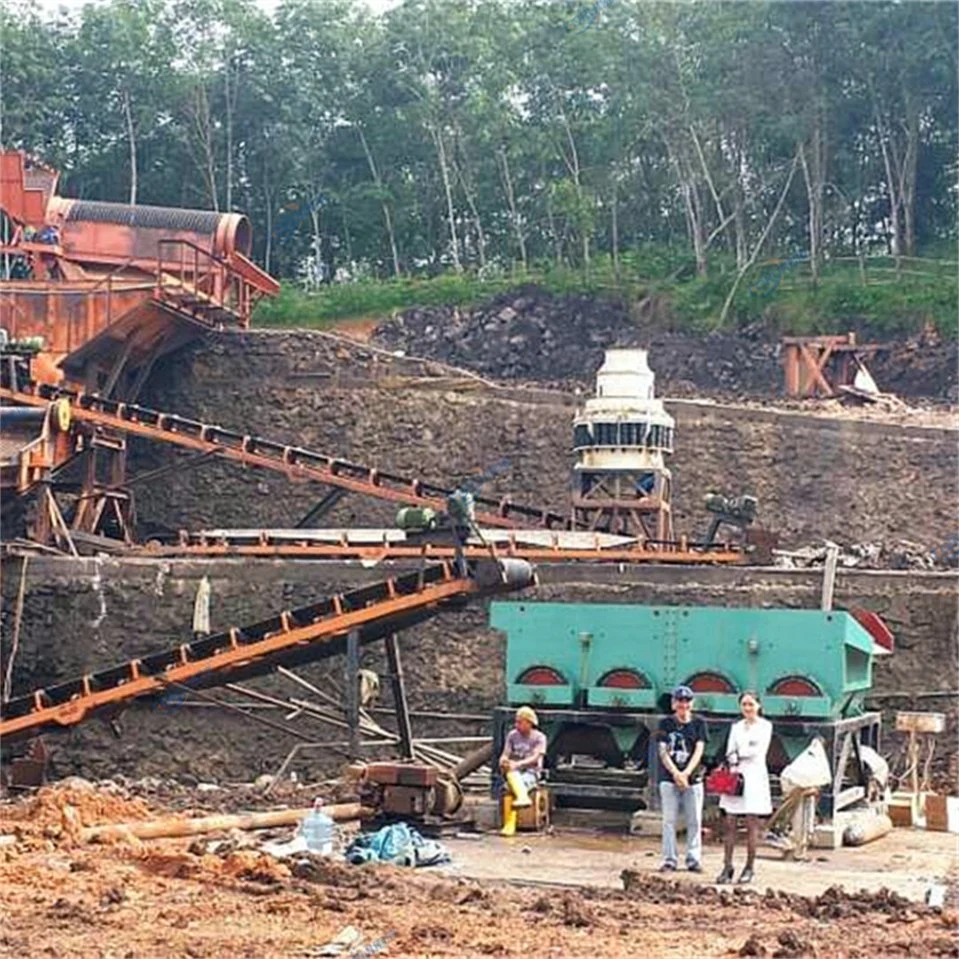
{"x": 286, "y": 545}
{"x": 300, "y": 635}
{"x": 294, "y": 461}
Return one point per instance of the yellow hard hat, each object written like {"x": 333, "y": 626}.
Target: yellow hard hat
{"x": 524, "y": 712}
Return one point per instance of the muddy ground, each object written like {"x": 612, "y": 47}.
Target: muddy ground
{"x": 183, "y": 898}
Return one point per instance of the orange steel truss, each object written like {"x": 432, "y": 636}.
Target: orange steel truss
{"x": 821, "y": 365}
{"x": 679, "y": 552}
{"x": 292, "y": 637}
{"x": 107, "y": 289}
{"x": 295, "y": 462}
{"x": 90, "y": 414}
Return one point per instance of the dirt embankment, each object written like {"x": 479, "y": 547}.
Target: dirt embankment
{"x": 194, "y": 900}
{"x": 455, "y": 662}
{"x": 816, "y": 477}
{"x": 529, "y": 334}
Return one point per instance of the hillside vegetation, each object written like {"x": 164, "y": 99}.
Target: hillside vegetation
{"x": 634, "y": 147}
{"x": 779, "y": 294}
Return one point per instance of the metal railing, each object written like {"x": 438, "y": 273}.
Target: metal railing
{"x": 201, "y": 281}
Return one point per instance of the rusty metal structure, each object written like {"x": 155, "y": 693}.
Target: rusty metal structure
{"x": 293, "y": 637}
{"x": 92, "y": 294}
{"x": 559, "y": 547}
{"x": 110, "y": 287}
{"x": 823, "y": 365}
{"x": 89, "y": 415}
{"x": 101, "y": 291}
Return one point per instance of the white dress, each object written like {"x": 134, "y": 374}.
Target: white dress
{"x": 749, "y": 743}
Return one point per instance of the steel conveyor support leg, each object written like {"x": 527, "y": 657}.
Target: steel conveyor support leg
{"x": 353, "y": 691}
{"x": 403, "y": 726}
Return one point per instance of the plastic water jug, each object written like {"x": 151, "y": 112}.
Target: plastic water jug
{"x": 317, "y": 829}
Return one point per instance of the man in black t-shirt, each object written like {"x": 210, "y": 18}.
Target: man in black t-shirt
{"x": 681, "y": 744}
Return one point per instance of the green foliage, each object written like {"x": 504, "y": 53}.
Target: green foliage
{"x": 483, "y": 135}
{"x": 840, "y": 300}
{"x": 373, "y": 298}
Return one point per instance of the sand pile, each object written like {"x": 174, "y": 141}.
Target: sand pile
{"x": 57, "y": 813}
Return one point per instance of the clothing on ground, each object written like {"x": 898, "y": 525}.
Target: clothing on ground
{"x": 398, "y": 844}
{"x": 746, "y": 752}
{"x": 680, "y": 740}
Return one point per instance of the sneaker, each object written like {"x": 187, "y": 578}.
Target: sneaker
{"x": 667, "y": 867}
{"x": 725, "y": 876}
{"x": 746, "y": 875}
{"x": 695, "y": 867}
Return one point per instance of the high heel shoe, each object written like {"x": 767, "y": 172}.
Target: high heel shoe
{"x": 725, "y": 876}
{"x": 746, "y": 875}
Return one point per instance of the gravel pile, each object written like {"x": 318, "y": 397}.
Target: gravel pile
{"x": 529, "y": 334}
{"x": 899, "y": 554}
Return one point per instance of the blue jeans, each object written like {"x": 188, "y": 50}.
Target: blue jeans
{"x": 690, "y": 801}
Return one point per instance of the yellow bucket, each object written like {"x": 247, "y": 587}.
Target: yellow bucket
{"x": 516, "y": 786}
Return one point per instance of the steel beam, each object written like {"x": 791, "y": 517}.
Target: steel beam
{"x": 399, "y": 696}
{"x": 352, "y": 691}
{"x": 321, "y": 508}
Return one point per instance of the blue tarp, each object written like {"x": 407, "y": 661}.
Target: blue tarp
{"x": 398, "y": 844}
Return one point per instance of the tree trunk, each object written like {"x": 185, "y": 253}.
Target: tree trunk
{"x": 346, "y": 236}
{"x": 813, "y": 168}
{"x": 230, "y": 97}
{"x": 173, "y": 826}
{"x": 739, "y": 223}
{"x": 614, "y": 215}
{"x": 551, "y": 222}
{"x": 511, "y": 201}
{"x": 892, "y": 185}
{"x": 131, "y": 134}
{"x": 572, "y": 164}
{"x": 437, "y": 136}
{"x": 471, "y": 203}
{"x": 204, "y": 132}
{"x": 758, "y": 246}
{"x": 693, "y": 208}
{"x": 739, "y": 215}
{"x": 463, "y": 172}
{"x": 908, "y": 177}
{"x": 387, "y": 217}
{"x": 268, "y": 247}
{"x": 317, "y": 242}
{"x": 724, "y": 220}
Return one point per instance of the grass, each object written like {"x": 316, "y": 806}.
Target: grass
{"x": 778, "y": 295}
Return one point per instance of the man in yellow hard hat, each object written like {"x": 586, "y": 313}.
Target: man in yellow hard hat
{"x": 522, "y": 757}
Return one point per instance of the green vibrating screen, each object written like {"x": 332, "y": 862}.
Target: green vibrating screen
{"x": 600, "y": 676}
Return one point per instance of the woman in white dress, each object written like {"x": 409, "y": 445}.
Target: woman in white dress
{"x": 746, "y": 750}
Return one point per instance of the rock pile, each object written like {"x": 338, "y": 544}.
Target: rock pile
{"x": 900, "y": 554}
{"x": 529, "y": 334}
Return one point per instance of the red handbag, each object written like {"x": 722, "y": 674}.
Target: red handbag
{"x": 724, "y": 782}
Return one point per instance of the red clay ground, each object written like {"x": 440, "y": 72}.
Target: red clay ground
{"x": 174, "y": 898}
